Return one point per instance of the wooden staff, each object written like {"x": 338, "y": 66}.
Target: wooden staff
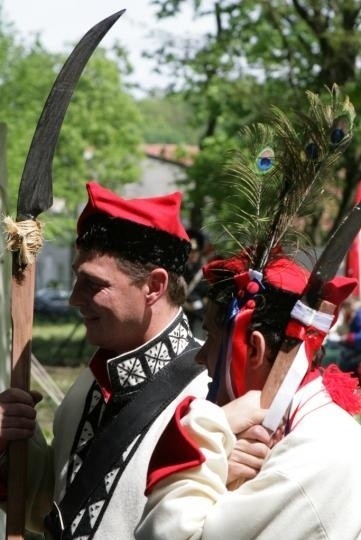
{"x": 24, "y": 240}
{"x": 36, "y": 196}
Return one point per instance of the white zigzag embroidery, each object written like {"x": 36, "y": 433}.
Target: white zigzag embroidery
{"x": 109, "y": 479}
{"x": 95, "y": 400}
{"x": 94, "y": 511}
{"x": 157, "y": 356}
{"x": 86, "y": 434}
{"x": 76, "y": 521}
{"x": 77, "y": 463}
{"x": 179, "y": 338}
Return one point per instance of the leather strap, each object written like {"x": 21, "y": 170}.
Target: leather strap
{"x": 118, "y": 434}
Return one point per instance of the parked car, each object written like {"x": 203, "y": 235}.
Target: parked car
{"x": 53, "y": 302}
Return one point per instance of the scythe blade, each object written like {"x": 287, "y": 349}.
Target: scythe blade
{"x": 35, "y": 192}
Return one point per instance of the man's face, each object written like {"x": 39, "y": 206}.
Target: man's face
{"x": 112, "y": 306}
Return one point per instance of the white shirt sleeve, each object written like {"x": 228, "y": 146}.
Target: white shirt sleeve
{"x": 178, "y": 505}
{"x": 195, "y": 503}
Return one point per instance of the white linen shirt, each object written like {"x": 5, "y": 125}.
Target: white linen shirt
{"x": 309, "y": 488}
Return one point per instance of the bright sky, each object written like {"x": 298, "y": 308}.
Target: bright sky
{"x": 62, "y": 23}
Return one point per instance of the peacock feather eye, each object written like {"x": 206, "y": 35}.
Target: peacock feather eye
{"x": 312, "y": 150}
{"x": 265, "y": 160}
{"x": 340, "y": 130}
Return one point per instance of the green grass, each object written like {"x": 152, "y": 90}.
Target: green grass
{"x": 61, "y": 348}
{"x": 63, "y": 376}
{"x": 60, "y": 342}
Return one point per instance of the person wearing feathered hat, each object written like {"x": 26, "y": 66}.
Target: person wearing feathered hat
{"x": 309, "y": 484}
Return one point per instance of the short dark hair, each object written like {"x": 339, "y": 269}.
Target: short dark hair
{"x": 270, "y": 317}
{"x": 134, "y": 242}
{"x": 139, "y": 272}
{"x": 103, "y": 235}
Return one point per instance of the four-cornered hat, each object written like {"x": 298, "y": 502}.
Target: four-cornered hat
{"x": 147, "y": 230}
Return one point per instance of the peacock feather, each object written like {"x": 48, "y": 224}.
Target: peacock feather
{"x": 282, "y": 170}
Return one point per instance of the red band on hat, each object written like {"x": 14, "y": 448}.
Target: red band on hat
{"x": 295, "y": 330}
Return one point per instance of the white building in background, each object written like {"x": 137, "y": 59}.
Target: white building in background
{"x": 162, "y": 167}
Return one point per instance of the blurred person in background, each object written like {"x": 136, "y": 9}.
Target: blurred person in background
{"x": 350, "y": 337}
{"x": 197, "y": 286}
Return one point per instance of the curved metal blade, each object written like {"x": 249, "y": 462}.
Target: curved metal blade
{"x": 336, "y": 248}
{"x": 35, "y": 191}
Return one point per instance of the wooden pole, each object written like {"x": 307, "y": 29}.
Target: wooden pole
{"x": 22, "y": 302}
{"x": 5, "y": 277}
{"x": 284, "y": 361}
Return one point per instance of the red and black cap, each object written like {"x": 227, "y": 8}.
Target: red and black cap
{"x": 249, "y": 297}
{"x": 146, "y": 230}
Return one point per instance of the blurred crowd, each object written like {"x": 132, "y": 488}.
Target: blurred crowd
{"x": 343, "y": 345}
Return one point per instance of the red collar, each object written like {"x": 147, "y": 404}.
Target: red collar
{"x": 98, "y": 366}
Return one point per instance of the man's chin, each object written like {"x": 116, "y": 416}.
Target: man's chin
{"x": 94, "y": 338}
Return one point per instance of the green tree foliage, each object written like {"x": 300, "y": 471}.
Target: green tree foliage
{"x": 100, "y": 137}
{"x": 168, "y": 119}
{"x": 261, "y": 53}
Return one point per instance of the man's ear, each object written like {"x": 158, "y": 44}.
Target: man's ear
{"x": 157, "y": 285}
{"x": 256, "y": 350}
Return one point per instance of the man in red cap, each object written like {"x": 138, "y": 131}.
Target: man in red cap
{"x": 309, "y": 486}
{"x": 129, "y": 290}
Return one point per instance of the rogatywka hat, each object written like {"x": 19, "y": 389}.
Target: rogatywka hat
{"x": 143, "y": 229}
{"x": 231, "y": 281}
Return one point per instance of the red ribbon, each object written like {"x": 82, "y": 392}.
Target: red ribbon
{"x": 312, "y": 337}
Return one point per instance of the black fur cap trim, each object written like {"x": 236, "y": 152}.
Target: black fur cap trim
{"x": 134, "y": 242}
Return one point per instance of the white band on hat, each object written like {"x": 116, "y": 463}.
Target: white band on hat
{"x": 311, "y": 317}
{"x": 254, "y": 274}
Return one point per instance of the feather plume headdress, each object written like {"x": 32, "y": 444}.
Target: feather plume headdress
{"x": 283, "y": 172}
{"x": 275, "y": 179}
